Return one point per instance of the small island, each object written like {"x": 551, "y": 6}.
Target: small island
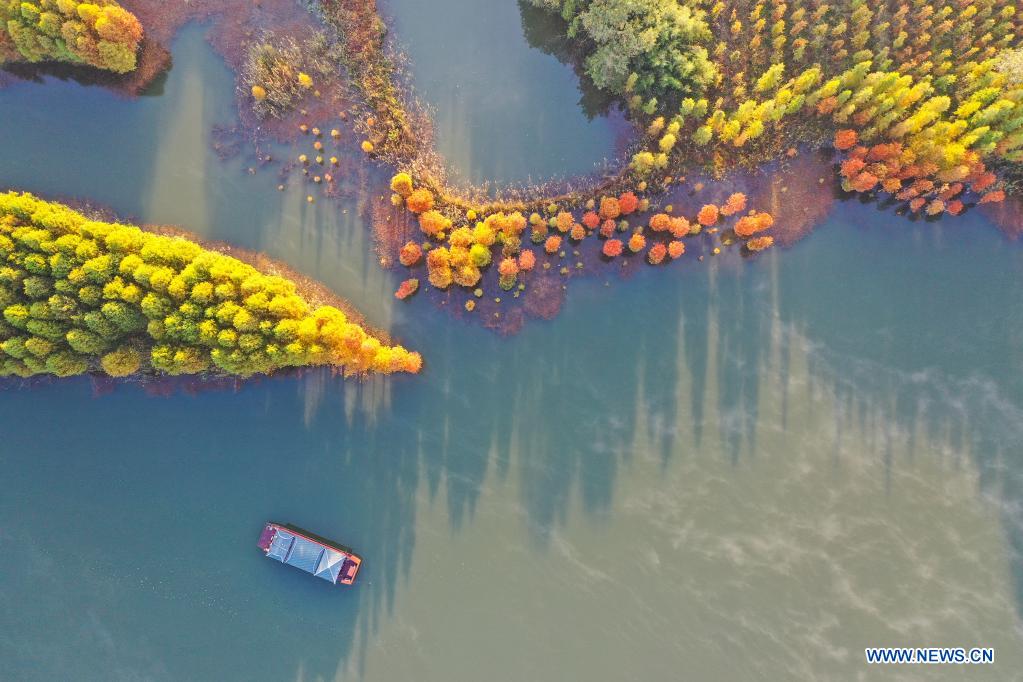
{"x": 81, "y": 295}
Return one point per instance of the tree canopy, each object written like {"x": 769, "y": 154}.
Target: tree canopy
{"x": 79, "y": 295}
{"x": 100, "y": 33}
{"x": 653, "y": 48}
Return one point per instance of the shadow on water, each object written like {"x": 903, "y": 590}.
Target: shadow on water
{"x": 906, "y": 327}
{"x": 925, "y": 344}
{"x": 509, "y": 114}
{"x": 83, "y": 75}
{"x": 875, "y": 348}
{"x": 546, "y": 31}
{"x": 155, "y": 88}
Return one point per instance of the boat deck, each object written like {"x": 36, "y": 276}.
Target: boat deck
{"x": 310, "y": 553}
{"x": 266, "y": 537}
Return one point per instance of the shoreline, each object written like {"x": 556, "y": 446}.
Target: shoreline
{"x": 154, "y": 60}
{"x": 374, "y": 68}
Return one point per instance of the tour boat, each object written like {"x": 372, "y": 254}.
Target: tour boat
{"x": 311, "y": 553}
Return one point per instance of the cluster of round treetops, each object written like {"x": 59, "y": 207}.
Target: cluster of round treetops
{"x": 79, "y": 295}
{"x": 893, "y": 168}
{"x": 458, "y": 255}
{"x": 100, "y": 33}
{"x": 931, "y": 90}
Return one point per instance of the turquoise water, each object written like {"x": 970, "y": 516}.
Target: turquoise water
{"x": 503, "y": 110}
{"x": 729, "y": 470}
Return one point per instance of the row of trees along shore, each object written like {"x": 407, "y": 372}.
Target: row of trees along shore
{"x": 924, "y": 97}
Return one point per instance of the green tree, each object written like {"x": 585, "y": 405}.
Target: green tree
{"x": 122, "y": 362}
{"x": 655, "y": 48}
{"x": 72, "y": 289}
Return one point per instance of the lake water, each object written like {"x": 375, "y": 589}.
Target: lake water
{"x": 503, "y": 110}
{"x": 729, "y": 470}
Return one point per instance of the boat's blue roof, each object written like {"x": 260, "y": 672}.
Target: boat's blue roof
{"x": 304, "y": 555}
{"x": 281, "y": 545}
{"x": 330, "y": 564}
{"x": 310, "y": 556}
